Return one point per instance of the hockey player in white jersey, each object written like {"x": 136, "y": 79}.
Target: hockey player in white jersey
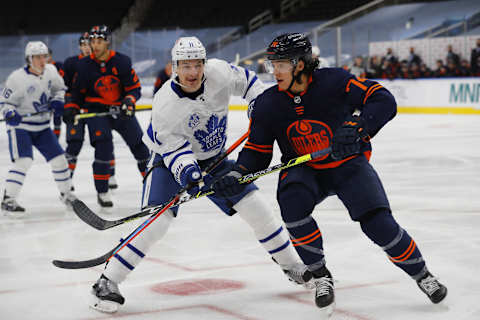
{"x": 187, "y": 132}
{"x": 30, "y": 95}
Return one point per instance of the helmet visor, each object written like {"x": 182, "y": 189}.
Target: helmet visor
{"x": 280, "y": 66}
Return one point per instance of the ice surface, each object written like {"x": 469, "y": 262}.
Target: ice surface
{"x": 209, "y": 266}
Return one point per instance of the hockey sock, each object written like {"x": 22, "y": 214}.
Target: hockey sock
{"x": 61, "y": 173}
{"x": 267, "y": 228}
{"x": 101, "y": 174}
{"x": 296, "y": 204}
{"x": 382, "y": 229}
{"x": 129, "y": 257}
{"x": 16, "y": 176}
{"x": 72, "y": 163}
{"x": 112, "y": 167}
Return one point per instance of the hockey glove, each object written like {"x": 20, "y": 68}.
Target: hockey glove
{"x": 57, "y": 107}
{"x": 191, "y": 175}
{"x": 12, "y": 117}
{"x": 348, "y": 138}
{"x": 69, "y": 114}
{"x": 228, "y": 185}
{"x": 127, "y": 109}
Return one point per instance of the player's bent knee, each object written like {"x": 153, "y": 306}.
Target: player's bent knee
{"x": 59, "y": 162}
{"x": 296, "y": 202}
{"x": 379, "y": 225}
{"x": 22, "y": 164}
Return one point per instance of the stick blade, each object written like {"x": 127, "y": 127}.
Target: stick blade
{"x": 83, "y": 264}
{"x": 87, "y": 215}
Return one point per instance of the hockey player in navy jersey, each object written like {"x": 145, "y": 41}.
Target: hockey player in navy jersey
{"x": 27, "y": 101}
{"x": 310, "y": 110}
{"x": 187, "y": 132}
{"x": 107, "y": 82}
{"x": 76, "y": 132}
{"x": 57, "y": 119}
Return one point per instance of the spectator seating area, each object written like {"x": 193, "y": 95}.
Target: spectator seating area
{"x": 150, "y": 50}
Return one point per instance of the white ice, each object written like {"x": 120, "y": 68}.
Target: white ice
{"x": 209, "y": 266}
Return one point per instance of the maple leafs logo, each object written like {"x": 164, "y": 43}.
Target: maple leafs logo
{"x": 214, "y": 137}
{"x": 42, "y": 105}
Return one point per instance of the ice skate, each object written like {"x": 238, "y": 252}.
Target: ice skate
{"x": 324, "y": 292}
{"x": 106, "y": 296}
{"x": 112, "y": 183}
{"x": 11, "y": 208}
{"x": 104, "y": 200}
{"x": 299, "y": 274}
{"x": 434, "y": 290}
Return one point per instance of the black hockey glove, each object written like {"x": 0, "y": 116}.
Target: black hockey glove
{"x": 348, "y": 138}
{"x": 228, "y": 185}
{"x": 69, "y": 114}
{"x": 127, "y": 108}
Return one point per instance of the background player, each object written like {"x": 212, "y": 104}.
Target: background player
{"x": 57, "y": 118}
{"x": 106, "y": 81}
{"x": 310, "y": 110}
{"x": 187, "y": 132}
{"x": 36, "y": 88}
{"x": 76, "y": 132}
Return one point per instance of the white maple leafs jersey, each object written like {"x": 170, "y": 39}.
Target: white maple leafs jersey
{"x": 183, "y": 130}
{"x": 28, "y": 93}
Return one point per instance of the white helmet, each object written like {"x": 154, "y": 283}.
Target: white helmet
{"x": 187, "y": 48}
{"x": 34, "y": 48}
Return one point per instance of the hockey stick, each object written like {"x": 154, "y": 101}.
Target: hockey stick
{"x": 29, "y": 114}
{"x": 92, "y": 219}
{"x": 112, "y": 112}
{"x": 176, "y": 200}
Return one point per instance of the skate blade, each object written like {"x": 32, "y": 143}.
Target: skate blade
{"x": 105, "y": 306}
{"x": 14, "y": 215}
{"x": 326, "y": 312}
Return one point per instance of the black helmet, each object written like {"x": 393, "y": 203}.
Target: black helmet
{"x": 101, "y": 31}
{"x": 289, "y": 46}
{"x": 84, "y": 38}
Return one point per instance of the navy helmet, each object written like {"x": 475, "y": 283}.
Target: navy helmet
{"x": 101, "y": 31}
{"x": 84, "y": 38}
{"x": 289, "y": 46}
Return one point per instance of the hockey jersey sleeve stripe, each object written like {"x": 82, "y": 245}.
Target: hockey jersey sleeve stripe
{"x": 261, "y": 146}
{"x": 254, "y": 79}
{"x": 71, "y": 105}
{"x": 371, "y": 91}
{"x": 172, "y": 152}
{"x": 136, "y": 85}
{"x": 256, "y": 149}
{"x": 170, "y": 165}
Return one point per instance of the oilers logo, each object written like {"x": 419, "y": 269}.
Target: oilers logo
{"x": 307, "y": 136}
{"x": 109, "y": 88}
{"x": 214, "y": 137}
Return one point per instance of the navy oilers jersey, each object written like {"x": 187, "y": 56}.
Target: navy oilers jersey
{"x": 104, "y": 82}
{"x": 305, "y": 122}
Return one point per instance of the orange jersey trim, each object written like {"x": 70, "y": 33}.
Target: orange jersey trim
{"x": 136, "y": 85}
{"x": 371, "y": 90}
{"x": 71, "y": 105}
{"x": 259, "y": 147}
{"x": 101, "y": 176}
{"x": 101, "y": 101}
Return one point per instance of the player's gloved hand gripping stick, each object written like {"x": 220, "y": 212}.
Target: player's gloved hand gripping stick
{"x": 176, "y": 200}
